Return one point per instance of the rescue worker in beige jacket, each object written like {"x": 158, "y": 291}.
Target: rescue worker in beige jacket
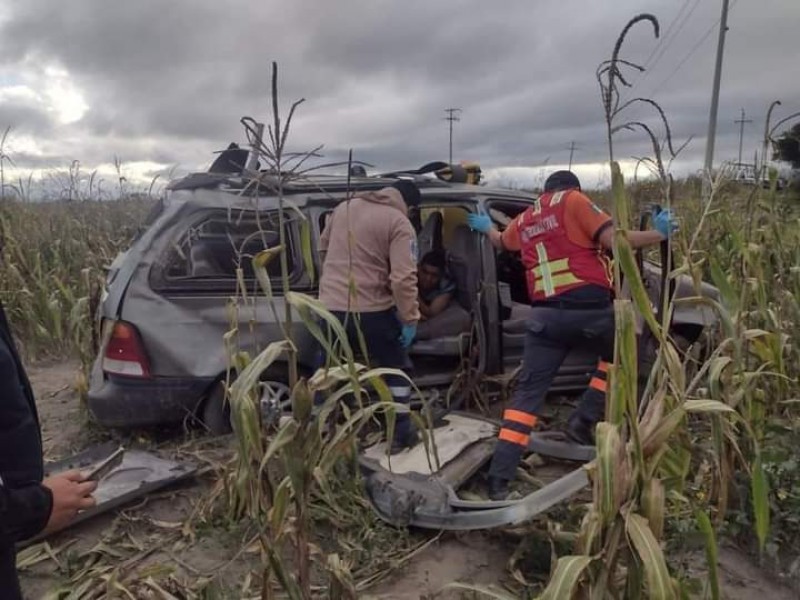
{"x": 369, "y": 282}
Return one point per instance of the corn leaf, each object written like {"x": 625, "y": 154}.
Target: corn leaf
{"x": 760, "y": 491}
{"x": 659, "y": 584}
{"x": 712, "y": 555}
{"x": 260, "y": 263}
{"x": 627, "y": 261}
{"x": 663, "y": 431}
{"x": 607, "y": 483}
{"x": 565, "y": 579}
{"x": 706, "y": 406}
{"x": 653, "y": 506}
{"x": 305, "y": 249}
{"x": 729, "y": 296}
{"x": 626, "y": 374}
{"x": 718, "y": 366}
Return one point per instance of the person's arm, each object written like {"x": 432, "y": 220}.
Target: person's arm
{"x": 496, "y": 238}
{"x": 507, "y": 240}
{"x": 403, "y": 275}
{"x": 637, "y": 239}
{"x": 589, "y": 222}
{"x": 26, "y": 510}
{"x": 436, "y": 306}
{"x": 664, "y": 225}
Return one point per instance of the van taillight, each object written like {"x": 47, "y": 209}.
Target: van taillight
{"x": 124, "y": 352}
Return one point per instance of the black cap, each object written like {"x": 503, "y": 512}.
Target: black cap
{"x": 409, "y": 191}
{"x": 561, "y": 180}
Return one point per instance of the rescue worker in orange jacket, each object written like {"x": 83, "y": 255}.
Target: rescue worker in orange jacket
{"x": 562, "y": 239}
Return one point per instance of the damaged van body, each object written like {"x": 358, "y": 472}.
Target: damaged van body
{"x": 165, "y": 309}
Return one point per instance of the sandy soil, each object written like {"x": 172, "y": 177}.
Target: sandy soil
{"x": 150, "y": 536}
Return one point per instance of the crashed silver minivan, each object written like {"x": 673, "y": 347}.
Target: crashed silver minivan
{"x": 167, "y": 302}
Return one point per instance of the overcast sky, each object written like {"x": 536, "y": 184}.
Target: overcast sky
{"x": 160, "y": 83}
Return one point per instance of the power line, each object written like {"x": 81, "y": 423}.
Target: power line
{"x": 689, "y": 55}
{"x": 669, "y": 43}
{"x": 665, "y": 37}
{"x": 663, "y": 46}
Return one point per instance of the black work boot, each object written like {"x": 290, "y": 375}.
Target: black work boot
{"x": 498, "y": 488}
{"x": 580, "y": 431}
{"x": 404, "y": 437}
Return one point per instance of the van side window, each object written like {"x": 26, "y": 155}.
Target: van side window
{"x": 213, "y": 249}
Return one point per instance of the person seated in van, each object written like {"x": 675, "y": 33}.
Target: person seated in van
{"x": 440, "y": 315}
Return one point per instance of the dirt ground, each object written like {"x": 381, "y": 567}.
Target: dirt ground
{"x": 152, "y": 537}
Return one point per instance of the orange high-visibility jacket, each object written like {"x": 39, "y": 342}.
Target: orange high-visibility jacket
{"x": 553, "y": 260}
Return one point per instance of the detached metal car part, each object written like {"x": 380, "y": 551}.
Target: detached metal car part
{"x": 140, "y": 473}
{"x": 420, "y": 487}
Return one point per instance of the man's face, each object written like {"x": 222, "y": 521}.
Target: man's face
{"x": 429, "y": 277}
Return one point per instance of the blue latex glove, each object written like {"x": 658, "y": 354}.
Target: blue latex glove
{"x": 664, "y": 223}
{"x": 408, "y": 334}
{"x": 480, "y": 222}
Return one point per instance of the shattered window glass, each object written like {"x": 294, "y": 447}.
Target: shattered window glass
{"x": 217, "y": 247}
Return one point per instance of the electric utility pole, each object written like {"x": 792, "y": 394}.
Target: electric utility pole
{"x": 741, "y": 121}
{"x": 452, "y": 117}
{"x": 712, "y": 117}
{"x": 572, "y": 148}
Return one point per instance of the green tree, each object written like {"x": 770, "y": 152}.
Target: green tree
{"x": 787, "y": 147}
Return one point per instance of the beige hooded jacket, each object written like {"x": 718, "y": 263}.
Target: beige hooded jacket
{"x": 369, "y": 252}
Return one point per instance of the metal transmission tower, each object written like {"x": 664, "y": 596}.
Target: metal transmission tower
{"x": 712, "y": 117}
{"x": 741, "y": 121}
{"x": 452, "y": 117}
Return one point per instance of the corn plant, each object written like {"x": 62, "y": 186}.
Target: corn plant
{"x": 282, "y": 470}
{"x": 642, "y": 450}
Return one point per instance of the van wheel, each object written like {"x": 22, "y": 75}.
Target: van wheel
{"x": 216, "y": 413}
{"x": 275, "y": 399}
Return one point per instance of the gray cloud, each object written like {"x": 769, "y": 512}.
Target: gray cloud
{"x": 25, "y": 117}
{"x": 168, "y": 81}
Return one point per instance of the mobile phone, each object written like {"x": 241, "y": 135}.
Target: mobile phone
{"x": 107, "y": 465}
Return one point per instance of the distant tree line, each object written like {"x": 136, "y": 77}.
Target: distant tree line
{"x": 787, "y": 147}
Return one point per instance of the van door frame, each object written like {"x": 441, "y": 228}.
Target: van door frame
{"x": 494, "y": 334}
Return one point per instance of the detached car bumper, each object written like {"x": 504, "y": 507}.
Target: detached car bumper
{"x": 128, "y": 402}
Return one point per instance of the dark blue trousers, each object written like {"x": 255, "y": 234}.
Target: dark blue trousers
{"x": 552, "y": 332}
{"x": 380, "y": 332}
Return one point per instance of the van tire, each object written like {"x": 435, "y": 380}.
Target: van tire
{"x": 215, "y": 413}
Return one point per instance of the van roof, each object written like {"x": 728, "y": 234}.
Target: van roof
{"x": 317, "y": 187}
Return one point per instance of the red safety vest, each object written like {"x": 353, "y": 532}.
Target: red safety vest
{"x": 553, "y": 263}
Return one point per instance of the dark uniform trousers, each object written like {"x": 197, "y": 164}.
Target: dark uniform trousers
{"x": 552, "y": 332}
{"x": 380, "y": 333}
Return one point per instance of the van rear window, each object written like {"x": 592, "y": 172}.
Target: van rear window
{"x": 213, "y": 249}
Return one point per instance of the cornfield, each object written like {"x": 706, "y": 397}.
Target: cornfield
{"x": 709, "y": 443}
{"x": 54, "y": 257}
